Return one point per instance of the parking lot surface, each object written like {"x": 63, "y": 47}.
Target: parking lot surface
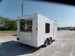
{"x": 64, "y": 45}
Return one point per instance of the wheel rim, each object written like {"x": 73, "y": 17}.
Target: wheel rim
{"x": 50, "y": 40}
{"x": 46, "y": 43}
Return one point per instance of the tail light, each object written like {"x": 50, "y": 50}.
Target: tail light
{"x": 17, "y": 38}
{"x": 36, "y": 28}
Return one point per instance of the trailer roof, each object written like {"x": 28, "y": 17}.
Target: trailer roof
{"x": 47, "y": 17}
{"x": 23, "y": 17}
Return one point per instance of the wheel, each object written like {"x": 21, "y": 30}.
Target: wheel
{"x": 46, "y": 43}
{"x": 51, "y": 39}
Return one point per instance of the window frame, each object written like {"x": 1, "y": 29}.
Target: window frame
{"x": 47, "y": 28}
{"x": 24, "y": 26}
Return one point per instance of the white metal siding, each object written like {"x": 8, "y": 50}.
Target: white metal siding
{"x": 29, "y": 38}
{"x": 37, "y": 37}
{"x": 54, "y": 30}
{"x": 41, "y": 29}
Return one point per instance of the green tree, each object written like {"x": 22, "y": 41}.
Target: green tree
{"x": 7, "y": 24}
{"x": 13, "y": 25}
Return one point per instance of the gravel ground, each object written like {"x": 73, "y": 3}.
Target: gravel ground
{"x": 64, "y": 45}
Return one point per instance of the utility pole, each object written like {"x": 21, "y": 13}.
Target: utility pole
{"x": 22, "y": 6}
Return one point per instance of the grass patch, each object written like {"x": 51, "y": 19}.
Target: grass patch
{"x": 6, "y": 33}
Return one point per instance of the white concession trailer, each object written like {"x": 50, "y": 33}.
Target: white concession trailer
{"x": 36, "y": 30}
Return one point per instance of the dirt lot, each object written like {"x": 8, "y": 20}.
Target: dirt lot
{"x": 64, "y": 45}
{"x": 6, "y": 33}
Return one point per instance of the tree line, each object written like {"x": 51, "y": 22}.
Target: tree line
{"x": 7, "y": 24}
{"x": 66, "y": 28}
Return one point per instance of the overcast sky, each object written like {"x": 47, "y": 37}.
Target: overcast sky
{"x": 63, "y": 14}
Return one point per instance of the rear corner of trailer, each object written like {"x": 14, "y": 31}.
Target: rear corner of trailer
{"x": 27, "y": 36}
{"x": 40, "y": 30}
{"x": 55, "y": 29}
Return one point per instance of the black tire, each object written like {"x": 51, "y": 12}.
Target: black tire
{"x": 51, "y": 39}
{"x": 46, "y": 43}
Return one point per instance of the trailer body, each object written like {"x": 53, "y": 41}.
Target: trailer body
{"x": 40, "y": 28}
